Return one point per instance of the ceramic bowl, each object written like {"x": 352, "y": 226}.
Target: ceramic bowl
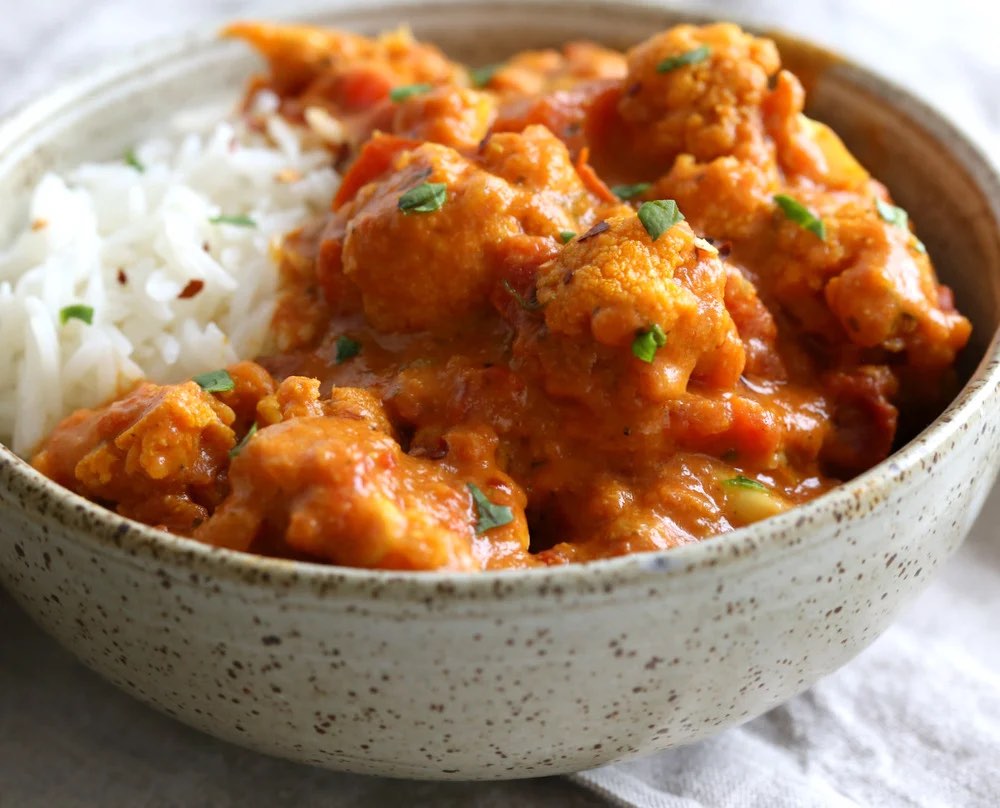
{"x": 519, "y": 673}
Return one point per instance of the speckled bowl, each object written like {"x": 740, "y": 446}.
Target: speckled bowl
{"x": 522, "y": 673}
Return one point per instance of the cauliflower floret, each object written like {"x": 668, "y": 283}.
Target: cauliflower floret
{"x": 707, "y": 107}
{"x": 433, "y": 269}
{"x": 157, "y": 453}
{"x": 867, "y": 279}
{"x": 334, "y": 488}
{"x": 614, "y": 285}
{"x": 541, "y": 71}
{"x": 451, "y": 116}
{"x": 725, "y": 198}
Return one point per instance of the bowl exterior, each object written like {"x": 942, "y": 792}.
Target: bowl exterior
{"x": 531, "y": 676}
{"x": 495, "y": 676}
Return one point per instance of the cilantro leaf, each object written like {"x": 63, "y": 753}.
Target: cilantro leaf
{"x": 796, "y": 212}
{"x": 891, "y": 213}
{"x": 215, "y": 381}
{"x": 77, "y": 311}
{"x": 691, "y": 57}
{"x": 481, "y": 76}
{"x": 236, "y": 221}
{"x": 347, "y": 348}
{"x": 239, "y": 447}
{"x": 425, "y": 198}
{"x": 488, "y": 515}
{"x": 401, "y": 93}
{"x": 133, "y": 161}
{"x": 646, "y": 343}
{"x": 739, "y": 481}
{"x": 659, "y": 216}
{"x": 631, "y": 191}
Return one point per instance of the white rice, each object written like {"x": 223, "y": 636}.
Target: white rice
{"x": 102, "y": 223}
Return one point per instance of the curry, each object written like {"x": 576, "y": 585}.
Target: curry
{"x": 574, "y": 305}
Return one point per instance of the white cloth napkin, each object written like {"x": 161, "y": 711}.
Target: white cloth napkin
{"x": 913, "y": 721}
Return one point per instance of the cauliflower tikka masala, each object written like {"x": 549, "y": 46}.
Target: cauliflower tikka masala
{"x": 570, "y": 306}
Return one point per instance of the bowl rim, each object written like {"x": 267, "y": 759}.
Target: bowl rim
{"x": 106, "y": 528}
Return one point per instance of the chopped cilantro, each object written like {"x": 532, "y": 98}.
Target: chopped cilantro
{"x": 646, "y": 343}
{"x": 691, "y": 57}
{"x": 739, "y": 481}
{"x": 891, "y": 213}
{"x": 528, "y": 304}
{"x": 241, "y": 220}
{"x": 796, "y": 212}
{"x": 631, "y": 191}
{"x": 425, "y": 198}
{"x": 77, "y": 311}
{"x": 659, "y": 216}
{"x": 481, "y": 76}
{"x": 488, "y": 515}
{"x": 401, "y": 93}
{"x": 239, "y": 447}
{"x": 347, "y": 348}
{"x": 215, "y": 381}
{"x": 133, "y": 161}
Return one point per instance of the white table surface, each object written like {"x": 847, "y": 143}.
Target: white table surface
{"x": 69, "y": 739}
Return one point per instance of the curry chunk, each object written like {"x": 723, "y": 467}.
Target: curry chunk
{"x": 698, "y": 91}
{"x": 158, "y": 454}
{"x": 542, "y": 71}
{"x": 866, "y": 278}
{"x": 341, "y": 70}
{"x": 725, "y": 198}
{"x": 606, "y": 289}
{"x": 431, "y": 269}
{"x": 335, "y": 489}
{"x": 452, "y": 116}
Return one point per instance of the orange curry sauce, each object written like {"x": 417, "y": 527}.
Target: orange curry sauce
{"x": 491, "y": 353}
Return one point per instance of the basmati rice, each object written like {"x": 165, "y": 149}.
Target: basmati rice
{"x": 126, "y": 238}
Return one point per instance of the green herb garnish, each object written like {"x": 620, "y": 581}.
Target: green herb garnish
{"x": 891, "y": 214}
{"x": 397, "y": 94}
{"x": 481, "y": 76}
{"x": 215, "y": 381}
{"x": 425, "y": 198}
{"x": 241, "y": 220}
{"x": 566, "y": 236}
{"x": 526, "y": 304}
{"x": 796, "y": 212}
{"x": 659, "y": 216}
{"x": 631, "y": 191}
{"x": 739, "y": 481}
{"x": 691, "y": 57}
{"x": 489, "y": 515}
{"x": 646, "y": 343}
{"x": 918, "y": 245}
{"x": 131, "y": 160}
{"x": 77, "y": 311}
{"x": 347, "y": 348}
{"x": 242, "y": 444}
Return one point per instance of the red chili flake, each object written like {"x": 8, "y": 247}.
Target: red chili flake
{"x": 597, "y": 229}
{"x": 191, "y": 289}
{"x": 122, "y": 277}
